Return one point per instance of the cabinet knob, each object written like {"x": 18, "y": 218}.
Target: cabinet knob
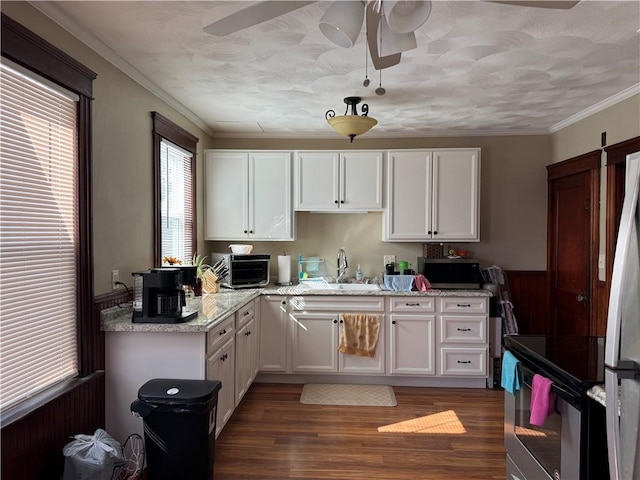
{"x": 429, "y": 232}
{"x": 435, "y": 232}
{"x": 335, "y": 321}
{"x": 250, "y": 231}
{"x": 464, "y": 329}
{"x": 341, "y": 201}
{"x": 244, "y": 231}
{"x": 393, "y": 322}
{"x": 341, "y": 321}
{"x": 335, "y": 201}
{"x": 284, "y": 302}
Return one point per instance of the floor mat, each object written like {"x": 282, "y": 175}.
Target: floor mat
{"x": 359, "y": 395}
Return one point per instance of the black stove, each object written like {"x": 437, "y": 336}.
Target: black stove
{"x": 571, "y": 362}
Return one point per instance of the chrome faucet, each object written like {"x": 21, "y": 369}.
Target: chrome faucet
{"x": 342, "y": 263}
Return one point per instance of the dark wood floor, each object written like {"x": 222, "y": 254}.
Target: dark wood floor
{"x": 273, "y": 436}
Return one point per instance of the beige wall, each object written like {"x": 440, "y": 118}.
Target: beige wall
{"x": 122, "y": 166}
{"x": 513, "y": 206}
{"x": 621, "y": 122}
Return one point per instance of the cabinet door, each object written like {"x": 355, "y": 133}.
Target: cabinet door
{"x": 226, "y": 195}
{"x": 456, "y": 196}
{"x": 221, "y": 367}
{"x": 315, "y": 342}
{"x": 360, "y": 181}
{"x": 273, "y": 333}
{"x": 316, "y": 181}
{"x": 243, "y": 361}
{"x": 412, "y": 344}
{"x": 364, "y": 365}
{"x": 408, "y": 213}
{"x": 270, "y": 206}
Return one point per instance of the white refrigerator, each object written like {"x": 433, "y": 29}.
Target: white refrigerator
{"x": 622, "y": 347}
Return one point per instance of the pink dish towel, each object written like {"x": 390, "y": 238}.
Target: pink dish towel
{"x": 542, "y": 400}
{"x": 421, "y": 283}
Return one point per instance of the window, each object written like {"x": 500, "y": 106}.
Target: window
{"x": 38, "y": 235}
{"x": 174, "y": 172}
{"x": 176, "y": 209}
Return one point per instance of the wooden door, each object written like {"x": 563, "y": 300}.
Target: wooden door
{"x": 573, "y": 243}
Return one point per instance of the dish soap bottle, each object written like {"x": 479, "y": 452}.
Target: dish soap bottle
{"x": 359, "y": 275}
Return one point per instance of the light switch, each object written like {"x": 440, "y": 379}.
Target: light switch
{"x": 601, "y": 260}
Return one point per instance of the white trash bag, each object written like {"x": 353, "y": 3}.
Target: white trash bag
{"x": 92, "y": 457}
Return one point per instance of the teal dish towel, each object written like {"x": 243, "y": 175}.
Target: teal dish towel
{"x": 510, "y": 380}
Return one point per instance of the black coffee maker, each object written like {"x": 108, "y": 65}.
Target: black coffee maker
{"x": 158, "y": 296}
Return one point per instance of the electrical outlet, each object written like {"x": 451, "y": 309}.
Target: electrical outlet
{"x": 389, "y": 259}
{"x": 115, "y": 277}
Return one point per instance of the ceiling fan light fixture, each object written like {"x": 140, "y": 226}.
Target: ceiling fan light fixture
{"x": 351, "y": 124}
{"x": 342, "y": 22}
{"x": 406, "y": 16}
{"x": 395, "y": 42}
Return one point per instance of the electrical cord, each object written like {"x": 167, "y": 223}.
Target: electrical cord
{"x": 128, "y": 293}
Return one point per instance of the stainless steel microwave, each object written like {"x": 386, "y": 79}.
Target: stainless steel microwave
{"x": 245, "y": 271}
{"x": 463, "y": 273}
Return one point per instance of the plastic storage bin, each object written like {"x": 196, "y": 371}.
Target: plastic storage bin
{"x": 179, "y": 427}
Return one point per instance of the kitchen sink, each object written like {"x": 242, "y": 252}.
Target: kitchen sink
{"x": 368, "y": 287}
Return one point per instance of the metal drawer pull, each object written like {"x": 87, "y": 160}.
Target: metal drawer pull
{"x": 223, "y": 332}
{"x": 412, "y": 304}
{"x": 464, "y": 304}
{"x": 464, "y": 329}
{"x": 464, "y": 361}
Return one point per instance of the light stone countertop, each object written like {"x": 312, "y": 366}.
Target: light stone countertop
{"x": 213, "y": 308}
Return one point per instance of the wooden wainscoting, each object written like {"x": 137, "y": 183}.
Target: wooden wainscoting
{"x": 529, "y": 297}
{"x": 32, "y": 445}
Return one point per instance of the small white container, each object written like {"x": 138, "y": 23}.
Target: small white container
{"x": 241, "y": 249}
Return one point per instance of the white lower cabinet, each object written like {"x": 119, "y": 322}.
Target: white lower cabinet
{"x": 315, "y": 336}
{"x": 274, "y": 333}
{"x": 411, "y": 336}
{"x": 246, "y": 350}
{"x": 463, "y": 326}
{"x": 221, "y": 366}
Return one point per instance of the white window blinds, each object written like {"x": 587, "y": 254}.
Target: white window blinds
{"x": 38, "y": 236}
{"x": 176, "y": 208}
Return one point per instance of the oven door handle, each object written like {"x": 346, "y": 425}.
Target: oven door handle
{"x": 572, "y": 398}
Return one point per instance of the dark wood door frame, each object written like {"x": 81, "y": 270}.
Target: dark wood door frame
{"x": 587, "y": 163}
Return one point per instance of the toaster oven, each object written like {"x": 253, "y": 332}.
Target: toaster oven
{"x": 245, "y": 271}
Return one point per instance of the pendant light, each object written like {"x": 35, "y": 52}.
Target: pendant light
{"x": 351, "y": 124}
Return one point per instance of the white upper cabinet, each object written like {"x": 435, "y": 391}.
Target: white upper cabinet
{"x": 248, "y": 195}
{"x": 334, "y": 181}
{"x": 433, "y": 195}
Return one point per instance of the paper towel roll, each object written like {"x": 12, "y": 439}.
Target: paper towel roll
{"x": 284, "y": 269}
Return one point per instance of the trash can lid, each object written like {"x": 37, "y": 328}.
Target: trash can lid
{"x": 172, "y": 391}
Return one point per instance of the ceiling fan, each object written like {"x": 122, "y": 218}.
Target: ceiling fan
{"x": 390, "y": 24}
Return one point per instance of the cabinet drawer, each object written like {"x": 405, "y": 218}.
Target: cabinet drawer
{"x": 335, "y": 303}
{"x": 463, "y": 304}
{"x": 219, "y": 334}
{"x": 412, "y": 304}
{"x": 245, "y": 314}
{"x": 463, "y": 361}
{"x": 463, "y": 329}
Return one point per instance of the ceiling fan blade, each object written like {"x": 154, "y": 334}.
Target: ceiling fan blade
{"x": 252, "y": 15}
{"x": 558, "y": 5}
{"x": 373, "y": 20}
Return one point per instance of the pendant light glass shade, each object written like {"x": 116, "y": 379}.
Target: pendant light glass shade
{"x": 351, "y": 125}
{"x": 406, "y": 16}
{"x": 342, "y": 22}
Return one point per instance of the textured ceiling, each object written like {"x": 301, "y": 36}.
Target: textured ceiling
{"x": 480, "y": 67}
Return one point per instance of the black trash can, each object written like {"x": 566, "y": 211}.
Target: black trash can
{"x": 179, "y": 427}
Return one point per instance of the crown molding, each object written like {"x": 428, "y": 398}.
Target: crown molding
{"x": 50, "y": 10}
